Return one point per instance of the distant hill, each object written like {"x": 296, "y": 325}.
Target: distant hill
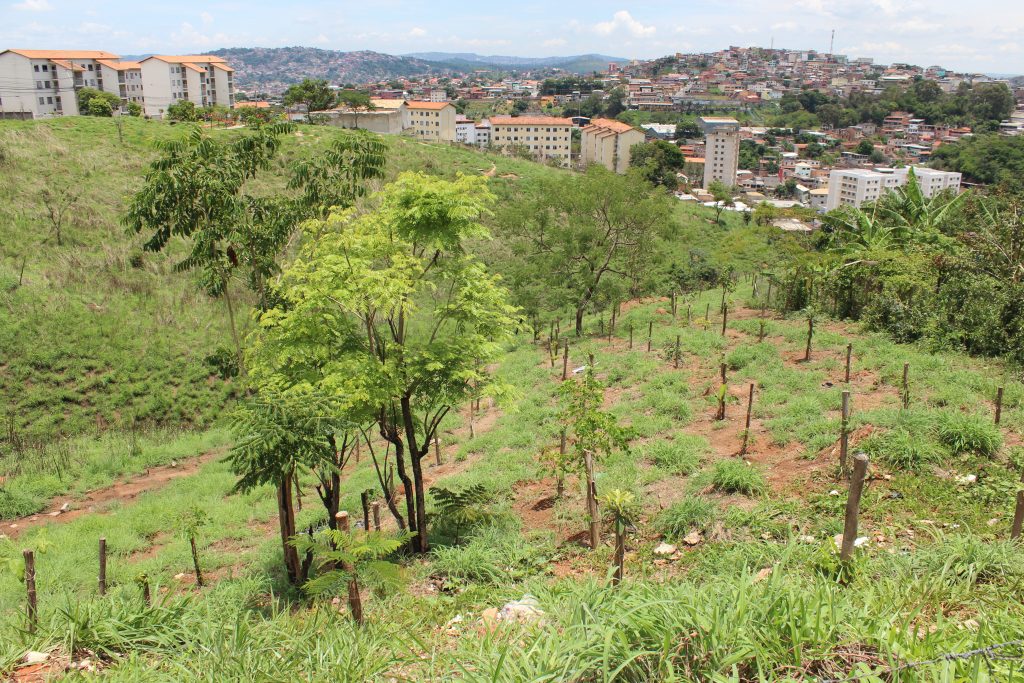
{"x": 574, "y": 63}
{"x": 271, "y": 68}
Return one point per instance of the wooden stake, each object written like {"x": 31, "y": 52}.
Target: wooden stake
{"x": 615, "y": 315}
{"x": 650, "y": 334}
{"x": 355, "y": 601}
{"x": 849, "y": 359}
{"x": 722, "y": 391}
{"x": 103, "y": 566}
{"x": 746, "y": 428}
{"x": 676, "y": 356}
{"x": 620, "y": 553}
{"x": 364, "y": 498}
{"x": 810, "y": 336}
{"x": 687, "y": 314}
{"x": 375, "y": 507}
{"x": 437, "y": 451}
{"x": 725, "y": 318}
{"x": 906, "y": 385}
{"x": 844, "y": 435}
{"x": 195, "y": 561}
{"x": 565, "y": 361}
{"x": 560, "y": 480}
{"x": 760, "y": 333}
{"x": 592, "y": 511}
{"x": 1018, "y": 513}
{"x": 631, "y": 336}
{"x": 999, "y": 404}
{"x": 673, "y": 304}
{"x": 707, "y": 316}
{"x": 860, "y": 469}
{"x": 30, "y": 589}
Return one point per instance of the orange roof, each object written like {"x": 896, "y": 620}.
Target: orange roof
{"x": 252, "y": 105}
{"x": 612, "y": 124}
{"x": 694, "y": 160}
{"x": 63, "y": 54}
{"x": 119, "y": 66}
{"x": 529, "y": 121}
{"x": 192, "y": 59}
{"x": 193, "y": 67}
{"x": 429, "y": 105}
{"x": 66, "y": 64}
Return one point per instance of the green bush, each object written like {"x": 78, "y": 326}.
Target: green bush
{"x": 681, "y": 518}
{"x": 901, "y": 450}
{"x": 680, "y": 456}
{"x": 742, "y": 356}
{"x": 735, "y": 476}
{"x": 969, "y": 433}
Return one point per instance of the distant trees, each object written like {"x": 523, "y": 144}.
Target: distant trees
{"x": 587, "y": 236}
{"x": 989, "y": 159}
{"x": 658, "y": 161}
{"x": 93, "y": 102}
{"x": 314, "y": 93}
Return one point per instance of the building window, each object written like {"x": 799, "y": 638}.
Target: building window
{"x": 37, "y": 68}
{"x": 42, "y": 100}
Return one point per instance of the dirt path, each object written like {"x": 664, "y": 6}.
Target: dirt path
{"x": 99, "y": 500}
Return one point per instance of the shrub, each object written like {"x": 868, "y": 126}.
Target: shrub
{"x": 969, "y": 433}
{"x": 735, "y": 476}
{"x": 743, "y": 356}
{"x": 680, "y": 456}
{"x": 680, "y": 518}
{"x": 493, "y": 555}
{"x": 901, "y": 450}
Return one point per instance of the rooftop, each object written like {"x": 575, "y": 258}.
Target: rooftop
{"x": 529, "y": 121}
{"x": 63, "y": 54}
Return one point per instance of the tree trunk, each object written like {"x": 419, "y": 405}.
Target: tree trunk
{"x": 234, "y": 330}
{"x": 286, "y": 520}
{"x": 195, "y": 561}
{"x": 579, "y": 320}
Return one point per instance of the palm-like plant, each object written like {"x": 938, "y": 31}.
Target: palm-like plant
{"x": 345, "y": 557}
{"x": 908, "y": 208}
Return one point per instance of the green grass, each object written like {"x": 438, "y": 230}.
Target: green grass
{"x": 736, "y": 476}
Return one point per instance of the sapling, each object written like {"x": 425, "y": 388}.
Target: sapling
{"x": 190, "y": 522}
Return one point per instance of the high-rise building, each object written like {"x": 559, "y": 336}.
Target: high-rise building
{"x": 722, "y": 150}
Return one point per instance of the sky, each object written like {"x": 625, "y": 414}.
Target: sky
{"x": 978, "y": 35}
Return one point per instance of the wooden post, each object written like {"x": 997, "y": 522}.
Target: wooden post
{"x": 760, "y": 333}
{"x": 999, "y": 404}
{"x": 687, "y": 314}
{"x": 673, "y": 304}
{"x": 849, "y": 358}
{"x": 103, "y": 566}
{"x": 725, "y": 317}
{"x": 195, "y": 561}
{"x": 722, "y": 391}
{"x": 650, "y": 334}
{"x": 595, "y": 521}
{"x": 860, "y": 469}
{"x": 844, "y": 435}
{"x": 906, "y": 385}
{"x": 707, "y": 316}
{"x": 437, "y": 451}
{"x": 810, "y": 336}
{"x": 355, "y": 602}
{"x": 364, "y": 498}
{"x": 676, "y": 355}
{"x": 560, "y": 479}
{"x": 747, "y": 426}
{"x": 375, "y": 507}
{"x": 552, "y": 351}
{"x": 565, "y": 361}
{"x": 620, "y": 553}
{"x": 630, "y": 336}
{"x": 30, "y": 589}
{"x": 1018, "y": 513}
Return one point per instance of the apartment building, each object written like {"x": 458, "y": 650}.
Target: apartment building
{"x": 431, "y": 121}
{"x": 607, "y": 142}
{"x": 546, "y": 137}
{"x": 854, "y": 187}
{"x": 722, "y": 150}
{"x": 44, "y": 83}
{"x": 201, "y": 79}
{"x": 127, "y": 76}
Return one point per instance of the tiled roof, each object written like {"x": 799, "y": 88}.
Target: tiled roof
{"x": 64, "y": 54}
{"x": 529, "y": 121}
{"x": 119, "y": 66}
{"x": 436, "y": 106}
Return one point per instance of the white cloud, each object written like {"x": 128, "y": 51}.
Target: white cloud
{"x": 321, "y": 39}
{"x": 33, "y": 6}
{"x": 92, "y": 28}
{"x": 784, "y": 26}
{"x": 554, "y": 42}
{"x": 417, "y": 32}
{"x": 206, "y": 17}
{"x": 623, "y": 21}
{"x": 1009, "y": 47}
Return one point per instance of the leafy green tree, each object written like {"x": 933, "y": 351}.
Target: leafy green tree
{"x": 86, "y": 96}
{"x": 134, "y": 109}
{"x": 577, "y": 233}
{"x": 184, "y": 110}
{"x": 687, "y": 130}
{"x": 403, "y": 318}
{"x": 865, "y": 147}
{"x": 314, "y": 93}
{"x": 722, "y": 195}
{"x": 201, "y": 190}
{"x": 614, "y": 105}
{"x": 658, "y": 161}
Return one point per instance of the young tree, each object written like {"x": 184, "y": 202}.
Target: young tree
{"x": 134, "y": 109}
{"x": 579, "y": 232}
{"x": 722, "y": 196}
{"x": 100, "y": 107}
{"x": 314, "y": 93}
{"x": 658, "y": 161}
{"x": 201, "y": 190}
{"x": 405, "y": 319}
{"x": 183, "y": 111}
{"x": 86, "y": 96}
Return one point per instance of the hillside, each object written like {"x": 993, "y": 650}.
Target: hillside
{"x": 275, "y": 68}
{"x": 730, "y": 566}
{"x": 580, "y": 64}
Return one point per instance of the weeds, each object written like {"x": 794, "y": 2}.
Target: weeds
{"x": 735, "y": 476}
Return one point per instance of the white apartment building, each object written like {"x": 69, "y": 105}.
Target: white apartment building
{"x": 483, "y": 133}
{"x": 201, "y": 79}
{"x": 465, "y": 130}
{"x": 722, "y": 150}
{"x": 546, "y": 137}
{"x": 434, "y": 121}
{"x": 854, "y": 187}
{"x": 608, "y": 142}
{"x": 44, "y": 83}
{"x": 127, "y": 76}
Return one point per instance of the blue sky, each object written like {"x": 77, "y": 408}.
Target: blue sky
{"x": 983, "y": 35}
